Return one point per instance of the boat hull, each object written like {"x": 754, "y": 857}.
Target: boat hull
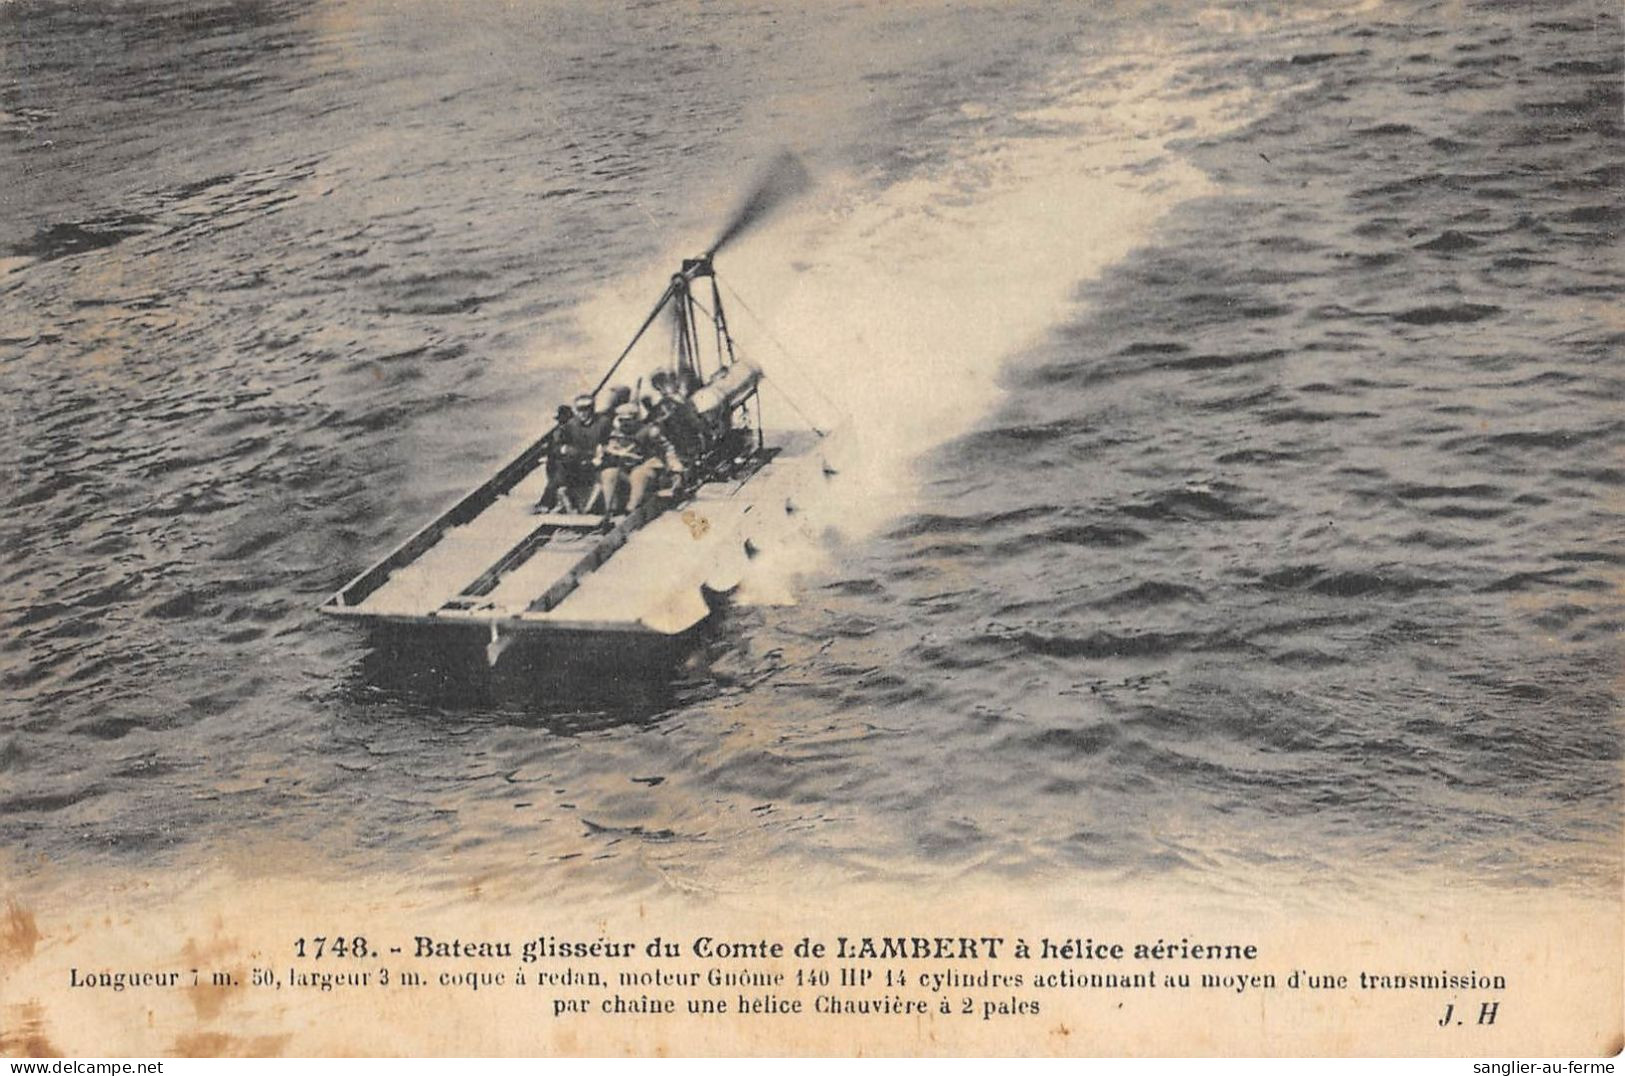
{"x": 492, "y": 577}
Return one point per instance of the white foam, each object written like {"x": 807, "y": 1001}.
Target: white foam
{"x": 897, "y": 308}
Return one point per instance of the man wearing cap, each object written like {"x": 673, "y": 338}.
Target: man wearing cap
{"x": 634, "y": 453}
{"x": 570, "y": 464}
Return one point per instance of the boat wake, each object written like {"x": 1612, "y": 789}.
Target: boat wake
{"x": 905, "y": 299}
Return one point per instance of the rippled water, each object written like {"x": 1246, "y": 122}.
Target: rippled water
{"x": 1255, "y": 501}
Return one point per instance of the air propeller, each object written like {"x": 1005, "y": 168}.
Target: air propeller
{"x": 783, "y": 178}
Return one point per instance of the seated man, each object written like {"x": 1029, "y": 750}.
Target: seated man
{"x": 677, "y": 417}
{"x": 570, "y": 464}
{"x": 635, "y": 453}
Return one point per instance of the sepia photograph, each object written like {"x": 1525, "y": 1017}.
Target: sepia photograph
{"x": 868, "y": 527}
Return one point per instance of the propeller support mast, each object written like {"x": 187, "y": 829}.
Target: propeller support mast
{"x": 784, "y": 178}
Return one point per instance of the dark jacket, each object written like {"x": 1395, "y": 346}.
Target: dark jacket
{"x": 683, "y": 425}
{"x": 580, "y": 440}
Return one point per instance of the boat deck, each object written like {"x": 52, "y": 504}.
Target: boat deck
{"x": 531, "y": 572}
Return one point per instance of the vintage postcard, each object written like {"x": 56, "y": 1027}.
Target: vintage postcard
{"x": 880, "y": 527}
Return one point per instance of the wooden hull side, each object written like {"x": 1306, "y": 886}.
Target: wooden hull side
{"x": 572, "y": 662}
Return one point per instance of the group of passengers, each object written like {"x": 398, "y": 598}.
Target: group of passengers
{"x": 598, "y": 455}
